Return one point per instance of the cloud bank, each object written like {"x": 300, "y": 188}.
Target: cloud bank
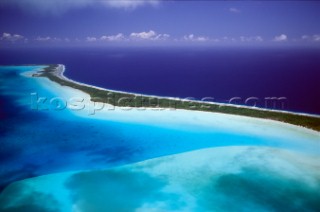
{"x": 192, "y": 37}
{"x": 134, "y": 36}
{"x": 280, "y": 38}
{"x": 251, "y": 39}
{"x": 315, "y": 38}
{"x": 151, "y": 35}
{"x": 130, "y": 4}
{"x": 61, "y": 6}
{"x": 91, "y": 39}
{"x": 118, "y": 37}
{"x": 12, "y": 37}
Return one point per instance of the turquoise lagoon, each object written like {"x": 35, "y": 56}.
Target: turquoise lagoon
{"x": 146, "y": 160}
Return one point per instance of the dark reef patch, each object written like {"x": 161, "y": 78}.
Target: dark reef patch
{"x": 116, "y": 190}
{"x": 33, "y": 202}
{"x": 258, "y": 189}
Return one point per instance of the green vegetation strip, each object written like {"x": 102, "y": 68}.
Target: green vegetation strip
{"x": 132, "y": 100}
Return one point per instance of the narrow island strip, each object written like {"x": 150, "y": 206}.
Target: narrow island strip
{"x": 55, "y": 72}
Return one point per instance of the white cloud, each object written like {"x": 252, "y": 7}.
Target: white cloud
{"x": 151, "y": 35}
{"x": 316, "y": 38}
{"x": 143, "y": 35}
{"x": 17, "y": 37}
{"x": 91, "y": 39}
{"x": 281, "y": 38}
{"x": 12, "y": 37}
{"x": 251, "y": 39}
{"x": 162, "y": 37}
{"x": 234, "y": 10}
{"x": 258, "y": 38}
{"x": 201, "y": 39}
{"x": 61, "y": 6}
{"x": 228, "y": 39}
{"x": 117, "y": 37}
{"x": 5, "y": 36}
{"x": 130, "y": 4}
{"x": 134, "y": 36}
{"x": 43, "y": 39}
{"x": 49, "y": 39}
{"x": 192, "y": 37}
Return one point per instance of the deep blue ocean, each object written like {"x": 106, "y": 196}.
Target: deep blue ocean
{"x": 293, "y": 73}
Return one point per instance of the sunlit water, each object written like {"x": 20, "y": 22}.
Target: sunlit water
{"x": 260, "y": 165}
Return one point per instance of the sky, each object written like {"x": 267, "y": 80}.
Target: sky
{"x": 154, "y": 22}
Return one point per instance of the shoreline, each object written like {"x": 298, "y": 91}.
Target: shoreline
{"x": 55, "y": 73}
{"x": 63, "y": 77}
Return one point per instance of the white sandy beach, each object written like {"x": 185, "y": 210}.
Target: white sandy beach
{"x": 197, "y": 121}
{"x": 149, "y": 115}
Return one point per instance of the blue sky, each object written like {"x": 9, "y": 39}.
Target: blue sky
{"x": 101, "y": 22}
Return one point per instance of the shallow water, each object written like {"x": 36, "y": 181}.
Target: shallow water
{"x": 40, "y": 142}
{"x": 217, "y": 179}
